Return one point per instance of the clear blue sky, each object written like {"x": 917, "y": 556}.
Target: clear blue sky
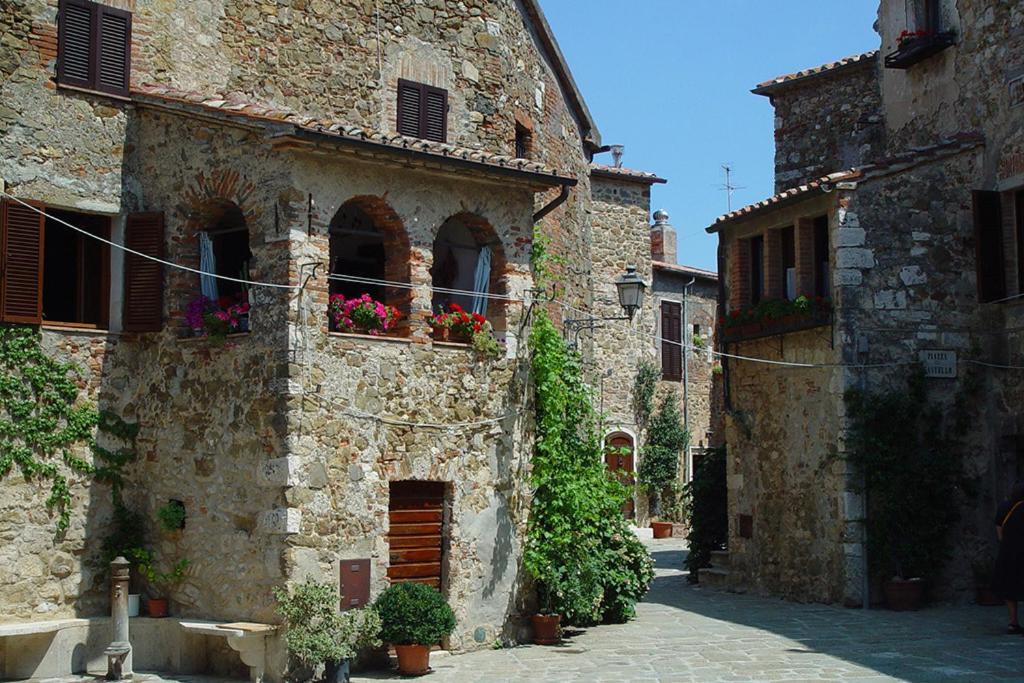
{"x": 671, "y": 80}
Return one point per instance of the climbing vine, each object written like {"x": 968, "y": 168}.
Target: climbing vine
{"x": 911, "y": 459}
{"x": 643, "y": 392}
{"x": 42, "y": 422}
{"x": 586, "y": 562}
{"x": 666, "y": 438}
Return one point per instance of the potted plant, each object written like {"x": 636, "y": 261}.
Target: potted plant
{"x": 363, "y": 314}
{"x": 319, "y": 636}
{"x": 485, "y": 344}
{"x": 217, "y": 319}
{"x": 463, "y": 324}
{"x": 546, "y": 623}
{"x": 413, "y": 617}
{"x": 983, "y": 568}
{"x": 441, "y": 325}
{"x": 146, "y": 564}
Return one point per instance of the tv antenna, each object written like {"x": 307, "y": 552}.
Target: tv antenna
{"x": 729, "y": 187}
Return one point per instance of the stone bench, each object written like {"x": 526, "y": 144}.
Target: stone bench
{"x": 25, "y": 645}
{"x": 246, "y": 638}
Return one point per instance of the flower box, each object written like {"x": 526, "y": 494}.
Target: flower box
{"x": 361, "y": 315}
{"x": 775, "y": 317}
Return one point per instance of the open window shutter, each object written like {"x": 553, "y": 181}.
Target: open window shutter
{"x": 409, "y": 109}
{"x": 435, "y": 125}
{"x": 115, "y": 47}
{"x": 988, "y": 237}
{"x": 23, "y": 263}
{"x": 144, "y": 278}
{"x": 77, "y": 31}
{"x": 671, "y": 336}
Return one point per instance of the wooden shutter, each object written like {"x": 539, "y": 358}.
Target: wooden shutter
{"x": 22, "y": 287}
{"x": 988, "y": 237}
{"x": 416, "y": 532}
{"x": 115, "y": 48}
{"x": 671, "y": 338}
{"x": 409, "y": 108}
{"x": 144, "y": 278}
{"x": 76, "y": 36}
{"x": 435, "y": 113}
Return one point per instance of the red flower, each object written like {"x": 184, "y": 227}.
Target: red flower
{"x": 455, "y": 308}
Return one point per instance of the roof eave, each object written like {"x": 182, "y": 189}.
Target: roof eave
{"x": 628, "y": 178}
{"x": 775, "y": 86}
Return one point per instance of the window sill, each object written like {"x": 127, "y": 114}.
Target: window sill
{"x": 774, "y": 328}
{"x": 370, "y": 337}
{"x": 914, "y": 50}
{"x": 197, "y": 340}
{"x": 79, "y": 329}
{"x": 452, "y": 345}
{"x": 89, "y": 91}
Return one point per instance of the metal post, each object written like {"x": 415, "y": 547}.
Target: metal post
{"x": 687, "y": 340}
{"x": 119, "y": 665}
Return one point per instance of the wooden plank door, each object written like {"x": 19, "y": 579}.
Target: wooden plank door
{"x": 622, "y": 466}
{"x": 416, "y": 536}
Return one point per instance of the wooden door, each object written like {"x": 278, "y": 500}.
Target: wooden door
{"x": 620, "y": 463}
{"x": 416, "y": 536}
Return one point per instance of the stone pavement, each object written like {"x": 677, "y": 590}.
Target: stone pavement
{"x": 685, "y": 633}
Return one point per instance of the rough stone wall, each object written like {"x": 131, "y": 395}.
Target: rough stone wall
{"x": 702, "y": 306}
{"x": 827, "y": 124}
{"x": 917, "y": 291}
{"x": 620, "y": 233}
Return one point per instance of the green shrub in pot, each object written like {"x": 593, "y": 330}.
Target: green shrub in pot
{"x": 414, "y": 614}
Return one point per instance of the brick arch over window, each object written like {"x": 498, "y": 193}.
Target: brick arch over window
{"x": 368, "y": 240}
{"x": 457, "y": 248}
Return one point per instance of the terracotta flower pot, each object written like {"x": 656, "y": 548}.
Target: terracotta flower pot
{"x": 546, "y": 629}
{"x": 985, "y": 596}
{"x": 157, "y": 607}
{"x": 441, "y": 333}
{"x": 413, "y": 660}
{"x": 662, "y": 529}
{"x": 904, "y": 594}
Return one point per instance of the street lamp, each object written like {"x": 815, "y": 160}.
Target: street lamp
{"x": 631, "y": 297}
{"x": 631, "y": 291}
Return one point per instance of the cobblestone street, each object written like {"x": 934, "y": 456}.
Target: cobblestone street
{"x": 684, "y": 633}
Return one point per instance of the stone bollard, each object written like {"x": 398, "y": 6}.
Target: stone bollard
{"x": 118, "y": 652}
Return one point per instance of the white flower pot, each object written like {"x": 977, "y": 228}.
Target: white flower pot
{"x": 133, "y": 604}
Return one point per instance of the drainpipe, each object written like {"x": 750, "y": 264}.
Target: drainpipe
{"x": 553, "y": 204}
{"x": 686, "y": 377}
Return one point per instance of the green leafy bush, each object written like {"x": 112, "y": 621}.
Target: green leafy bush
{"x": 666, "y": 437}
{"x": 709, "y": 516}
{"x": 172, "y": 515}
{"x": 586, "y": 562}
{"x": 414, "y": 614}
{"x": 912, "y": 465}
{"x": 317, "y": 632}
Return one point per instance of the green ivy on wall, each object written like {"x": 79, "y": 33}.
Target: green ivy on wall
{"x": 43, "y": 422}
{"x": 588, "y": 565}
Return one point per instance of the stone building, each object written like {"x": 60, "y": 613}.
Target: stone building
{"x": 686, "y": 302}
{"x": 315, "y": 148}
{"x": 899, "y": 182}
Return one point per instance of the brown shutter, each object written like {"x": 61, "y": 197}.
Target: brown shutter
{"x": 144, "y": 278}
{"x": 409, "y": 108}
{"x": 23, "y": 263}
{"x": 988, "y": 237}
{"x": 435, "y": 124}
{"x": 671, "y": 338}
{"x": 76, "y": 36}
{"x": 115, "y": 48}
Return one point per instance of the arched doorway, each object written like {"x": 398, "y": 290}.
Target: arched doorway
{"x": 620, "y": 459}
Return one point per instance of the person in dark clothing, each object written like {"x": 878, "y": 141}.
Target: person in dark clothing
{"x": 1008, "y": 580}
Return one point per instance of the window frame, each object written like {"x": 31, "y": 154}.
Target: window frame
{"x": 988, "y": 245}
{"x": 97, "y": 13}
{"x": 106, "y": 230}
{"x": 423, "y": 125}
{"x": 671, "y": 347}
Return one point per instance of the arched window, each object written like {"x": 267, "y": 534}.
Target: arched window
{"x": 224, "y": 250}
{"x": 468, "y": 257}
{"x": 368, "y": 249}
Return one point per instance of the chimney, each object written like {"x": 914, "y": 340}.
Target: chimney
{"x": 663, "y": 238}
{"x": 617, "y": 151}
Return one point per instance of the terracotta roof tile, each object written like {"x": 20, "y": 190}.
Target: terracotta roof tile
{"x": 233, "y": 105}
{"x": 685, "y": 270}
{"x": 823, "y": 69}
{"x": 625, "y": 173}
{"x": 888, "y": 165}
